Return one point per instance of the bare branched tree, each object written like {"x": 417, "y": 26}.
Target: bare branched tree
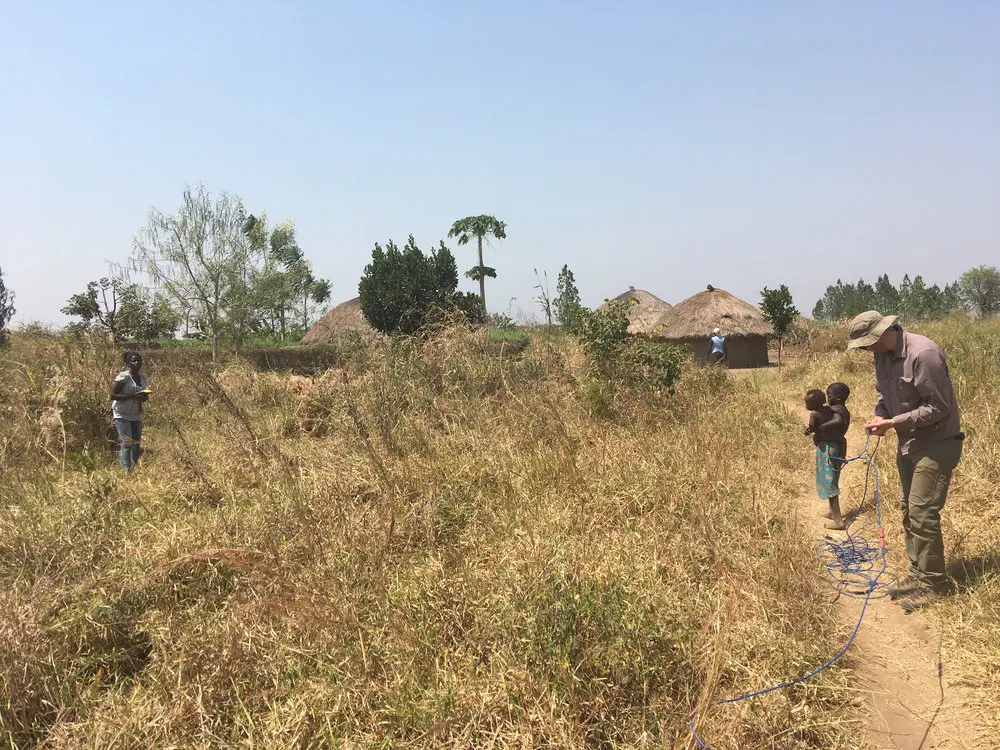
{"x": 206, "y": 258}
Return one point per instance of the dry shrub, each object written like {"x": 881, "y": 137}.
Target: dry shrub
{"x": 54, "y": 394}
{"x": 28, "y": 685}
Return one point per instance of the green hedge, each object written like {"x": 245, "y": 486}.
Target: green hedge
{"x": 299, "y": 360}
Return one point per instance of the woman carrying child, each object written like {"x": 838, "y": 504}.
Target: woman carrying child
{"x": 828, "y": 425}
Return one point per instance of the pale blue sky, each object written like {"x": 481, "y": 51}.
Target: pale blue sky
{"x": 657, "y": 144}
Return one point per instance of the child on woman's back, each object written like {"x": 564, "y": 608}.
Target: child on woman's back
{"x": 828, "y": 426}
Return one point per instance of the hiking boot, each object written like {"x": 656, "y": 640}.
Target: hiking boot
{"x": 919, "y": 599}
{"x": 904, "y": 587}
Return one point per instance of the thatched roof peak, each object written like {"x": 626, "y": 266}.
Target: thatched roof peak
{"x": 337, "y": 321}
{"x": 645, "y": 313}
{"x": 698, "y": 315}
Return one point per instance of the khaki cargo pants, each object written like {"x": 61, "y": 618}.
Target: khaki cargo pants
{"x": 925, "y": 478}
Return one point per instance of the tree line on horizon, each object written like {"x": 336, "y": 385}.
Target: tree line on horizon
{"x": 229, "y": 277}
{"x": 226, "y": 276}
{"x": 977, "y": 293}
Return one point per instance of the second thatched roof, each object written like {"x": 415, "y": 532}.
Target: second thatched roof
{"x": 699, "y": 315}
{"x": 345, "y": 317}
{"x": 643, "y": 315}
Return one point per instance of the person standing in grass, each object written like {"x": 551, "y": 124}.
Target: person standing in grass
{"x": 828, "y": 428}
{"x": 717, "y": 347}
{"x": 916, "y": 398}
{"x": 129, "y": 392}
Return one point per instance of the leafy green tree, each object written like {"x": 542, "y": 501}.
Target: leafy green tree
{"x": 779, "y": 311}
{"x": 6, "y": 310}
{"x": 568, "y": 308}
{"x": 915, "y": 300}
{"x": 864, "y": 297}
{"x": 304, "y": 292}
{"x": 835, "y": 302}
{"x": 479, "y": 227}
{"x": 932, "y": 303}
{"x": 886, "y": 299}
{"x": 97, "y": 307}
{"x": 842, "y": 300}
{"x": 159, "y": 319}
{"x": 819, "y": 311}
{"x": 122, "y": 310}
{"x": 403, "y": 290}
{"x": 952, "y": 296}
{"x": 905, "y": 296}
{"x": 919, "y": 301}
{"x": 207, "y": 258}
{"x": 980, "y": 290}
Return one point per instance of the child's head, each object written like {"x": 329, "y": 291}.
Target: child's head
{"x": 815, "y": 398}
{"x": 838, "y": 393}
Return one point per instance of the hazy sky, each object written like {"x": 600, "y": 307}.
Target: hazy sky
{"x": 663, "y": 145}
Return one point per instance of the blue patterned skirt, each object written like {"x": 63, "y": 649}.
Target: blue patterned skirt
{"x": 828, "y": 470}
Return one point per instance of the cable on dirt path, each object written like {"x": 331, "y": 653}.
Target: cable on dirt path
{"x": 856, "y": 569}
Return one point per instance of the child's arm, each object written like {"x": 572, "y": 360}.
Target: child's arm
{"x": 835, "y": 422}
{"x": 813, "y": 419}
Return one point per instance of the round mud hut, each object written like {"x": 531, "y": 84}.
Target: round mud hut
{"x": 338, "y": 321}
{"x": 692, "y": 321}
{"x": 643, "y": 315}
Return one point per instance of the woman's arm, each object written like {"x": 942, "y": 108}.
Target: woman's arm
{"x": 116, "y": 394}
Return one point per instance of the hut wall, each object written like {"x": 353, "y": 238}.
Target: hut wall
{"x": 744, "y": 351}
{"x": 747, "y": 351}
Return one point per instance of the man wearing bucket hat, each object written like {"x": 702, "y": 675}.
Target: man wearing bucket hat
{"x": 917, "y": 400}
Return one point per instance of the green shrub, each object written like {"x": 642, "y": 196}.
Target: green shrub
{"x": 405, "y": 291}
{"x": 620, "y": 356}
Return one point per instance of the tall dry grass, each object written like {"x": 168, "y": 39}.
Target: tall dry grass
{"x": 432, "y": 546}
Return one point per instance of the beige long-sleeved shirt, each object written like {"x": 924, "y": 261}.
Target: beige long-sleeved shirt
{"x": 915, "y": 390}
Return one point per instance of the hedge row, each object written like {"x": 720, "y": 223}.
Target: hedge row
{"x": 299, "y": 360}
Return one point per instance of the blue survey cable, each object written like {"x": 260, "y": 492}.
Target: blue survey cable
{"x": 855, "y": 570}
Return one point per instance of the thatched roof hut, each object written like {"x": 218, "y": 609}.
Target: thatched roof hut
{"x": 643, "y": 315}
{"x": 692, "y": 321}
{"x": 343, "y": 318}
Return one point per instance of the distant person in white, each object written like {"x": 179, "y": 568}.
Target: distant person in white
{"x": 129, "y": 392}
{"x": 717, "y": 347}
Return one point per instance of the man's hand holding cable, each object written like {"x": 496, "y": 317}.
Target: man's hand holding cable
{"x": 878, "y": 426}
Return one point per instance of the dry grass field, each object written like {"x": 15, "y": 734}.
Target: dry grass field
{"x": 443, "y": 545}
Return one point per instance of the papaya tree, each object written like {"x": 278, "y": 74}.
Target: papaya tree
{"x": 479, "y": 227}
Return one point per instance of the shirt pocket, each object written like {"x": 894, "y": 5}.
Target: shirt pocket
{"x": 884, "y": 384}
{"x": 907, "y": 393}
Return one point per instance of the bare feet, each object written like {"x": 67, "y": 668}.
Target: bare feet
{"x": 835, "y": 525}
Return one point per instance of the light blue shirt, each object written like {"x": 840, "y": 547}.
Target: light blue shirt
{"x": 718, "y": 343}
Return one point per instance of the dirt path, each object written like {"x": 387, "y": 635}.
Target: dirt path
{"x": 911, "y": 700}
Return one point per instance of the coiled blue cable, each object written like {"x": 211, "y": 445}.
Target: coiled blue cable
{"x": 856, "y": 569}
